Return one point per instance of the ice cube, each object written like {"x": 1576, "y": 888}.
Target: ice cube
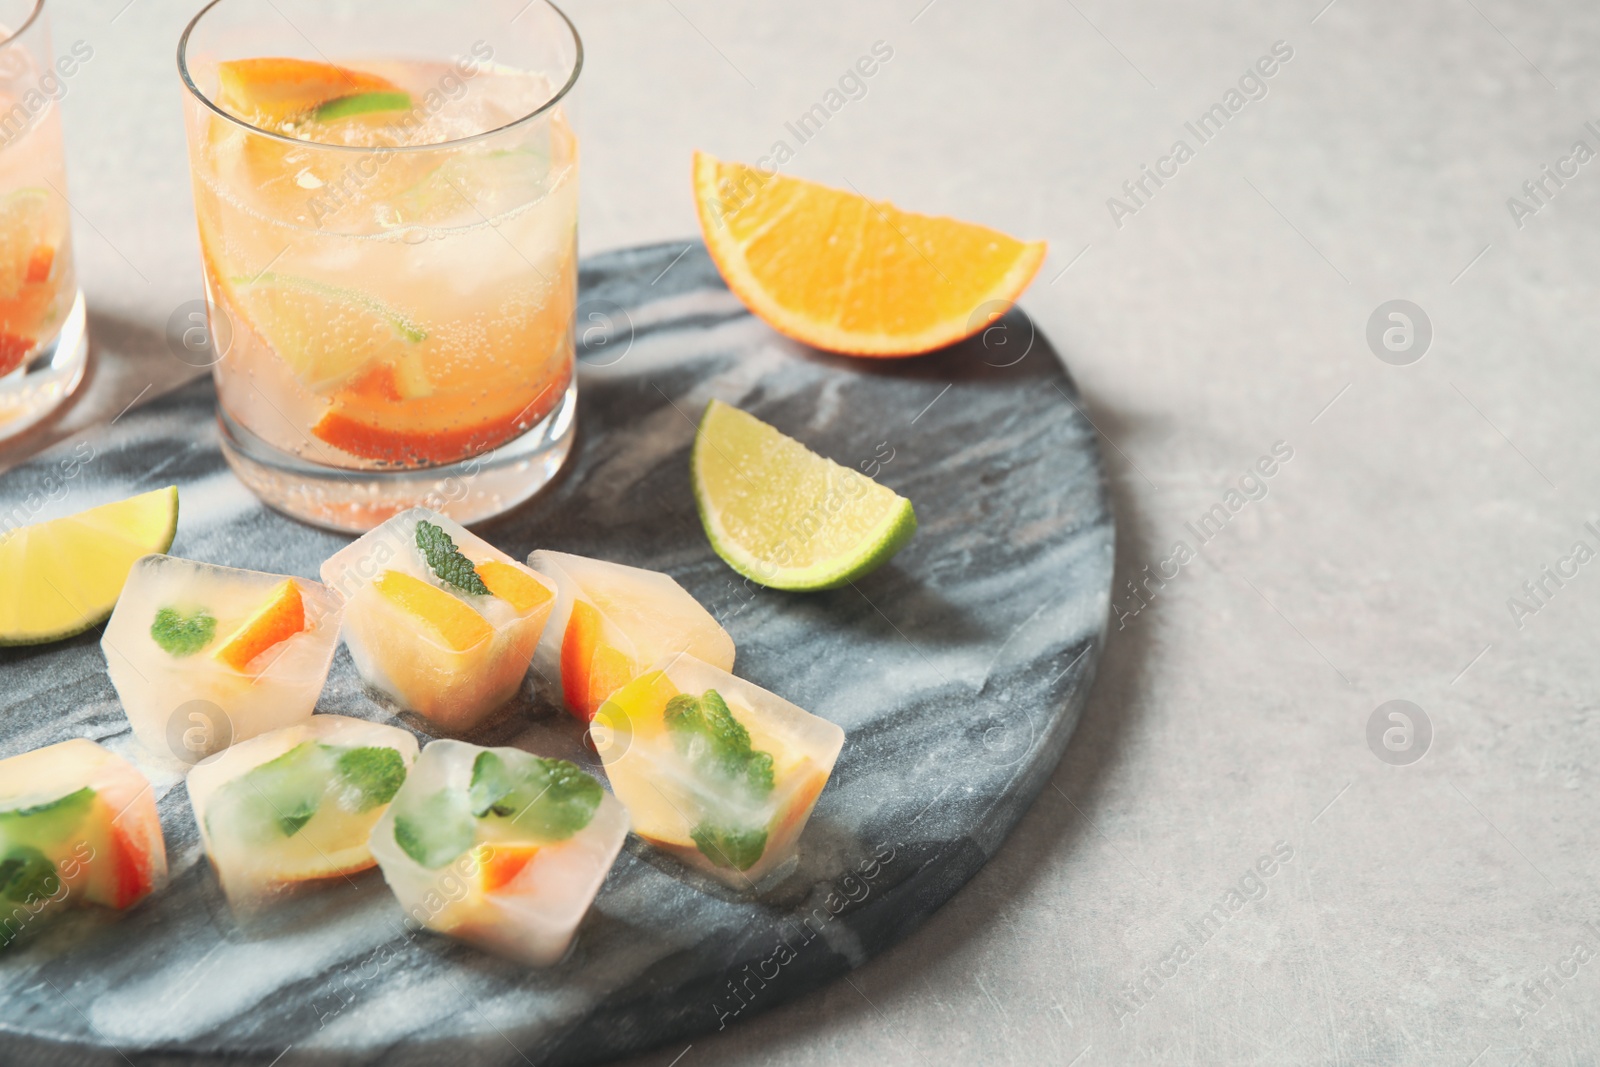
{"x": 203, "y": 656}
{"x": 449, "y": 640}
{"x": 498, "y": 847}
{"x": 714, "y": 770}
{"x": 612, "y": 621}
{"x": 77, "y": 822}
{"x": 297, "y": 804}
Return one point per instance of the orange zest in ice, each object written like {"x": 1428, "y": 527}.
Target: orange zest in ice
{"x": 847, "y": 274}
{"x": 455, "y": 624}
{"x": 499, "y": 864}
{"x": 515, "y": 585}
{"x": 274, "y": 89}
{"x": 130, "y": 869}
{"x": 590, "y": 669}
{"x": 281, "y": 617}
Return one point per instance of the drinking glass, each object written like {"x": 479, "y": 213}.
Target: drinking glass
{"x": 43, "y": 341}
{"x": 387, "y": 197}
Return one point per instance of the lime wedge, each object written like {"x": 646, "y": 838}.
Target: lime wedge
{"x": 785, "y": 517}
{"x": 325, "y": 333}
{"x": 361, "y": 104}
{"x": 59, "y": 578}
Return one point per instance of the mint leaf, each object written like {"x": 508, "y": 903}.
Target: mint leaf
{"x": 446, "y": 560}
{"x": 435, "y": 830}
{"x": 550, "y": 799}
{"x": 183, "y": 635}
{"x": 27, "y": 874}
{"x": 716, "y": 744}
{"x": 372, "y": 776}
{"x": 739, "y": 849}
{"x": 274, "y": 800}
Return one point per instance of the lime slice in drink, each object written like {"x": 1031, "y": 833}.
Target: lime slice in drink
{"x": 785, "y": 517}
{"x": 61, "y": 577}
{"x": 361, "y": 104}
{"x": 325, "y": 333}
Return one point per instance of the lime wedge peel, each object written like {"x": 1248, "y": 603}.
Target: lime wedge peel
{"x": 62, "y": 577}
{"x": 785, "y": 517}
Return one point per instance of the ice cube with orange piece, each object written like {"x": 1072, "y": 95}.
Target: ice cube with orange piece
{"x": 437, "y": 620}
{"x": 77, "y": 822}
{"x": 713, "y": 769}
{"x": 296, "y": 805}
{"x": 499, "y": 847}
{"x": 203, "y": 656}
{"x": 611, "y": 621}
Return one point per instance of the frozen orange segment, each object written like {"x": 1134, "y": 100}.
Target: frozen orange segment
{"x": 591, "y": 668}
{"x": 456, "y": 625}
{"x": 279, "y": 89}
{"x": 499, "y": 864}
{"x": 515, "y": 585}
{"x": 281, "y": 617}
{"x": 844, "y": 273}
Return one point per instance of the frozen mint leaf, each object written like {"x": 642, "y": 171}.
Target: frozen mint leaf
{"x": 371, "y": 776}
{"x": 739, "y": 849}
{"x": 274, "y": 800}
{"x": 26, "y": 874}
{"x": 48, "y": 822}
{"x": 181, "y": 634}
{"x": 446, "y": 560}
{"x": 435, "y": 830}
{"x": 716, "y": 743}
{"x": 550, "y": 799}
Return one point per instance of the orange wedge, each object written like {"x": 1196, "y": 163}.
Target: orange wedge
{"x": 281, "y": 617}
{"x": 515, "y": 585}
{"x": 591, "y": 670}
{"x": 276, "y": 90}
{"x": 455, "y": 624}
{"x": 499, "y": 864}
{"x": 847, "y": 274}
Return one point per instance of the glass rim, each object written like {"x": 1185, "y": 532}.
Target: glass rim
{"x": 188, "y": 82}
{"x": 38, "y": 9}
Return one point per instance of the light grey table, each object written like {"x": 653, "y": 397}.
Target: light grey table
{"x": 1442, "y": 911}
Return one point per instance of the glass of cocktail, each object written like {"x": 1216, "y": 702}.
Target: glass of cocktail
{"x": 387, "y": 200}
{"x": 43, "y": 343}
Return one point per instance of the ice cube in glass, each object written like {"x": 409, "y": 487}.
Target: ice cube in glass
{"x": 77, "y": 822}
{"x": 713, "y": 769}
{"x": 296, "y": 805}
{"x": 203, "y": 655}
{"x": 438, "y": 620}
{"x": 499, "y": 847}
{"x": 611, "y": 621}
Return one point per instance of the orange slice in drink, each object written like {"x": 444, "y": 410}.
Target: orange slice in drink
{"x": 591, "y": 669}
{"x": 375, "y": 419}
{"x": 847, "y": 274}
{"x": 276, "y": 90}
{"x": 281, "y": 617}
{"x": 515, "y": 585}
{"x": 452, "y": 622}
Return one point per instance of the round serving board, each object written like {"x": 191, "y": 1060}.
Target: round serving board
{"x": 957, "y": 672}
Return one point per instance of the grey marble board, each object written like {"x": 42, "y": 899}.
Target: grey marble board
{"x": 957, "y": 672}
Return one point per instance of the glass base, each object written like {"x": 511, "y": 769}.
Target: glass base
{"x": 354, "y": 500}
{"x": 37, "y": 389}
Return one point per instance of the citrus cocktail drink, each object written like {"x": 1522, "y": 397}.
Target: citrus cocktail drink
{"x": 390, "y": 254}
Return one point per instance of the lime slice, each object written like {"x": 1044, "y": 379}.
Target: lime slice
{"x": 61, "y": 577}
{"x": 361, "y": 104}
{"x": 782, "y": 515}
{"x": 325, "y": 333}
